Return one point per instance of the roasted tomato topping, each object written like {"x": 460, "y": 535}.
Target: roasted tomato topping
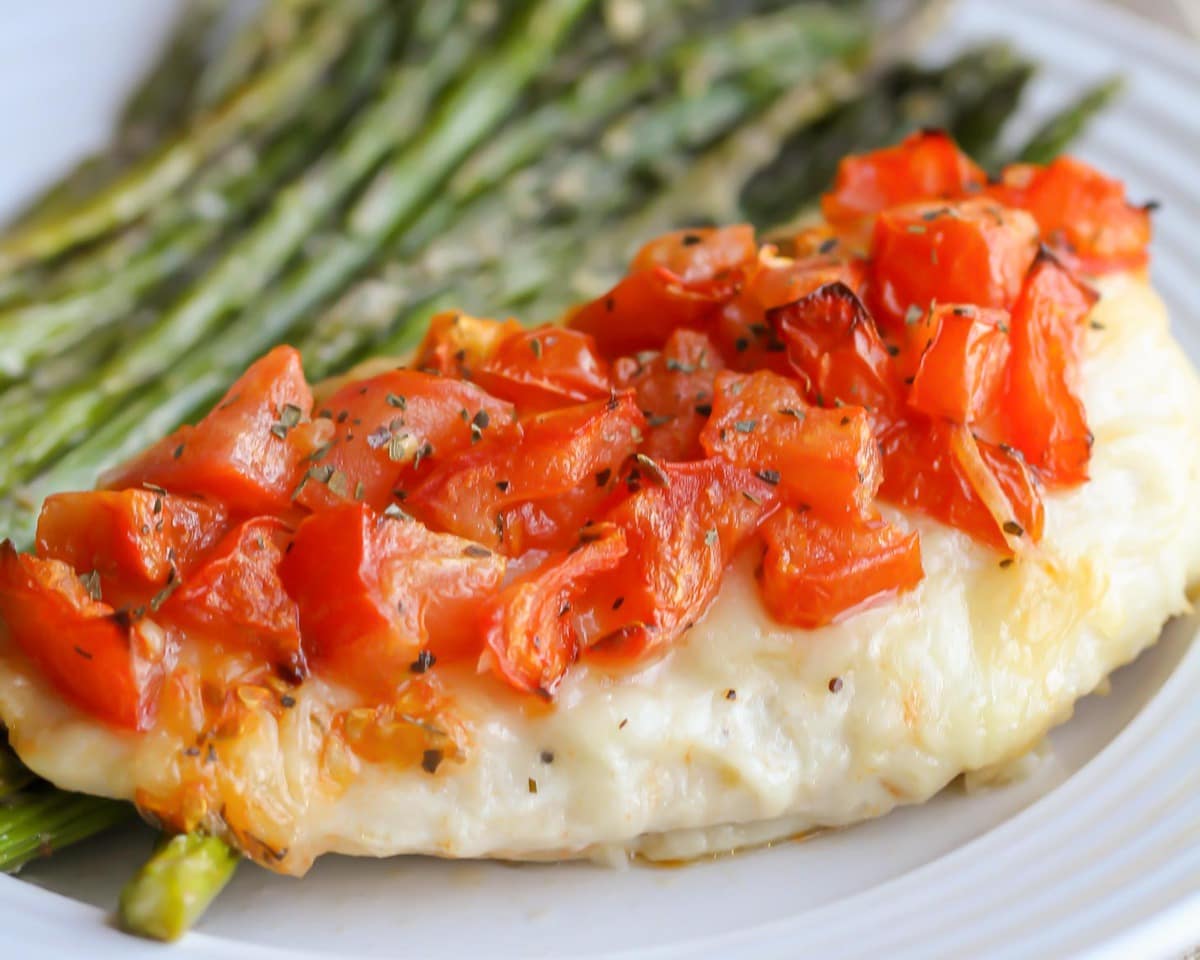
{"x": 962, "y": 367}
{"x": 532, "y": 629}
{"x": 645, "y": 308}
{"x": 1044, "y": 413}
{"x": 83, "y": 646}
{"x": 818, "y": 458}
{"x": 927, "y": 165}
{"x": 674, "y": 390}
{"x": 815, "y": 571}
{"x": 244, "y": 453}
{"x": 834, "y": 346}
{"x": 545, "y": 368}
{"x": 457, "y": 343}
{"x": 523, "y": 499}
{"x": 968, "y": 251}
{"x": 699, "y": 254}
{"x": 384, "y": 432}
{"x": 135, "y": 541}
{"x": 236, "y": 598}
{"x": 536, "y": 492}
{"x": 1083, "y": 215}
{"x": 683, "y": 526}
{"x": 376, "y": 590}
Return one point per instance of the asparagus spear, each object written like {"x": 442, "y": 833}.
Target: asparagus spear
{"x": 37, "y": 822}
{"x": 154, "y": 109}
{"x": 283, "y": 89}
{"x": 238, "y": 183}
{"x": 972, "y": 95}
{"x": 249, "y": 263}
{"x": 176, "y": 885}
{"x": 471, "y": 109}
{"x": 1053, "y": 137}
{"x": 276, "y": 26}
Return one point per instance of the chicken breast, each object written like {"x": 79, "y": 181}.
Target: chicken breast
{"x": 747, "y": 730}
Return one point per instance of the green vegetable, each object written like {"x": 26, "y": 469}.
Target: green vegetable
{"x": 41, "y": 820}
{"x": 106, "y": 284}
{"x": 284, "y": 88}
{"x": 176, "y": 885}
{"x": 1053, "y": 137}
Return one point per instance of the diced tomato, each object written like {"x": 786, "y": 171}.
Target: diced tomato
{"x": 824, "y": 459}
{"x": 746, "y": 339}
{"x": 457, "y": 343}
{"x": 969, "y": 251}
{"x": 780, "y": 282}
{"x": 700, "y": 253}
{"x": 682, "y": 530}
{"x": 135, "y": 540}
{"x": 815, "y": 572}
{"x": 1002, "y": 482}
{"x": 545, "y": 368}
{"x": 236, "y": 598}
{"x": 833, "y": 344}
{"x": 1046, "y": 419}
{"x": 390, "y": 429}
{"x": 962, "y": 370}
{"x": 921, "y": 471}
{"x": 242, "y": 453}
{"x": 675, "y": 392}
{"x": 925, "y": 166}
{"x": 78, "y": 643}
{"x": 647, "y": 306}
{"x": 374, "y": 591}
{"x": 571, "y": 454}
{"x": 532, "y": 631}
{"x": 1084, "y": 216}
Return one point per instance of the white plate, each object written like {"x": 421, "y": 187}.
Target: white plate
{"x": 1098, "y": 853}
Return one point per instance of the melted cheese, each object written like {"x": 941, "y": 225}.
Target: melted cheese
{"x": 737, "y": 736}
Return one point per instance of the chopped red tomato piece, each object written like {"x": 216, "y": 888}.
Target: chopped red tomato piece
{"x": 700, "y": 253}
{"x": 457, "y": 343}
{"x": 384, "y": 430}
{"x": 834, "y": 345}
{"x": 925, "y": 166}
{"x": 531, "y": 627}
{"x": 646, "y": 307}
{"x": 545, "y": 368}
{"x": 923, "y": 470}
{"x": 80, "y": 644}
{"x": 969, "y": 251}
{"x": 134, "y": 540}
{"x": 1083, "y": 215}
{"x": 236, "y": 598}
{"x": 675, "y": 392}
{"x": 815, "y": 572}
{"x": 780, "y": 282}
{"x": 243, "y": 452}
{"x": 824, "y": 459}
{"x": 682, "y": 527}
{"x": 962, "y": 369}
{"x": 571, "y": 455}
{"x": 746, "y": 339}
{"x": 1046, "y": 419}
{"x": 380, "y": 593}
{"x": 1002, "y": 482}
